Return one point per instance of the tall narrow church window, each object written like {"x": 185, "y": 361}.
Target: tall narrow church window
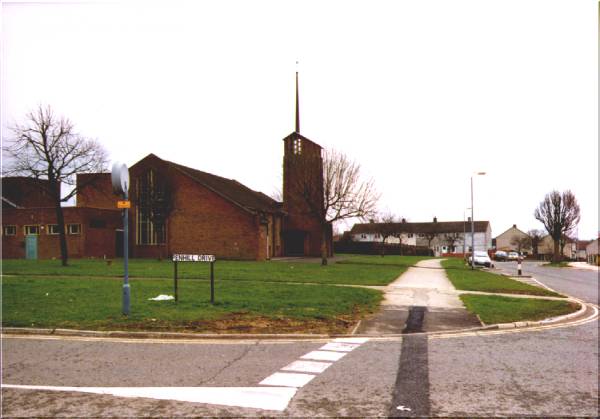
{"x": 150, "y": 214}
{"x": 297, "y": 146}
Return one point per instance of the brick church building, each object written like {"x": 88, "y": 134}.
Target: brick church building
{"x": 178, "y": 209}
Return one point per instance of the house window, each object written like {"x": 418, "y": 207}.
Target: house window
{"x": 53, "y": 229}
{"x": 150, "y": 210}
{"x": 410, "y": 235}
{"x": 10, "y": 230}
{"x": 31, "y": 230}
{"x": 363, "y": 236}
{"x": 74, "y": 228}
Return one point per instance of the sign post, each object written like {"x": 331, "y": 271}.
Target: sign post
{"x": 195, "y": 258}
{"x": 120, "y": 184}
{"x": 212, "y": 281}
{"x": 175, "y": 280}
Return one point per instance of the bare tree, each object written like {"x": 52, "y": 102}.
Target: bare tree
{"x": 564, "y": 240}
{"x": 431, "y": 234}
{"x": 386, "y": 226}
{"x": 345, "y": 193}
{"x": 522, "y": 242}
{"x": 47, "y": 147}
{"x": 451, "y": 239}
{"x": 560, "y": 214}
{"x": 277, "y": 195}
{"x": 536, "y": 237}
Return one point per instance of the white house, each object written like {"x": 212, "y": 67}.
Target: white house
{"x": 592, "y": 253}
{"x": 441, "y": 237}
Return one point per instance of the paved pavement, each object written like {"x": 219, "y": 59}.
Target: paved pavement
{"x": 420, "y": 300}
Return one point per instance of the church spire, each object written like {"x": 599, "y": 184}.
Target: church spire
{"x": 297, "y": 106}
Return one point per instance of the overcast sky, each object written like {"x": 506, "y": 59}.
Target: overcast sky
{"x": 422, "y": 94}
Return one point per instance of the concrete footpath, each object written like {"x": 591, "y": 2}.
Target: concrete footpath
{"x": 420, "y": 300}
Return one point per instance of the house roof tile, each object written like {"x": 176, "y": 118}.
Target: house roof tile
{"x": 231, "y": 190}
{"x": 440, "y": 227}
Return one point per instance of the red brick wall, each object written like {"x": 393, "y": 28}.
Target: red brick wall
{"x": 307, "y": 166}
{"x": 91, "y": 242}
{"x": 201, "y": 221}
{"x": 101, "y": 241}
{"x": 97, "y": 191}
{"x": 27, "y": 192}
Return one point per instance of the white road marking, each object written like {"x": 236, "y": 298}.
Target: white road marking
{"x": 287, "y": 379}
{"x": 268, "y": 398}
{"x": 339, "y": 346}
{"x": 307, "y": 366}
{"x": 407, "y": 409}
{"x": 324, "y": 355}
{"x": 351, "y": 340}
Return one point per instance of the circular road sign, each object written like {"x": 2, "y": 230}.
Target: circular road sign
{"x": 120, "y": 178}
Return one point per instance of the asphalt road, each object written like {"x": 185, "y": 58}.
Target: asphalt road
{"x": 579, "y": 283}
{"x": 548, "y": 373}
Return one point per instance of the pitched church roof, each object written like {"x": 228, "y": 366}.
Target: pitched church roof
{"x": 230, "y": 189}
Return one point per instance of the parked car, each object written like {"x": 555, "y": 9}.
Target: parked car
{"x": 500, "y": 255}
{"x": 482, "y": 259}
{"x": 513, "y": 256}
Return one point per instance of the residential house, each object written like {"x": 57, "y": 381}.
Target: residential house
{"x": 591, "y": 251}
{"x": 442, "y": 237}
{"x": 546, "y": 248}
{"x": 513, "y": 240}
{"x": 581, "y": 249}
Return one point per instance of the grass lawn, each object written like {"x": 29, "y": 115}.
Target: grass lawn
{"x": 244, "y": 306}
{"x": 556, "y": 265}
{"x": 404, "y": 261}
{"x": 250, "y": 297}
{"x": 463, "y": 278}
{"x": 496, "y": 309}
{"x": 353, "y": 269}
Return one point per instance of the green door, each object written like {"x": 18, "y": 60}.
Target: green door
{"x": 30, "y": 247}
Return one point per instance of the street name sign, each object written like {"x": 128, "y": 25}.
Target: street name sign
{"x": 193, "y": 258}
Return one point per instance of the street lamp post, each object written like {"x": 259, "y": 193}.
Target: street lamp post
{"x": 464, "y": 237}
{"x": 473, "y": 224}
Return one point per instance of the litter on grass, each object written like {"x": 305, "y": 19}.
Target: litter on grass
{"x": 162, "y": 297}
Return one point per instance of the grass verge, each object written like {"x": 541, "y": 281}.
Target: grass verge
{"x": 245, "y": 306}
{"x": 353, "y": 270}
{"x": 494, "y": 309}
{"x": 464, "y": 278}
{"x": 556, "y": 265}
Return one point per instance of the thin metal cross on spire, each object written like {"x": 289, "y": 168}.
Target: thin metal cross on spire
{"x": 297, "y": 103}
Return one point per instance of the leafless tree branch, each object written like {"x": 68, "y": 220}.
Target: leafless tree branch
{"x": 47, "y": 147}
{"x": 560, "y": 214}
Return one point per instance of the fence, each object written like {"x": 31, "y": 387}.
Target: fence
{"x": 374, "y": 248}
